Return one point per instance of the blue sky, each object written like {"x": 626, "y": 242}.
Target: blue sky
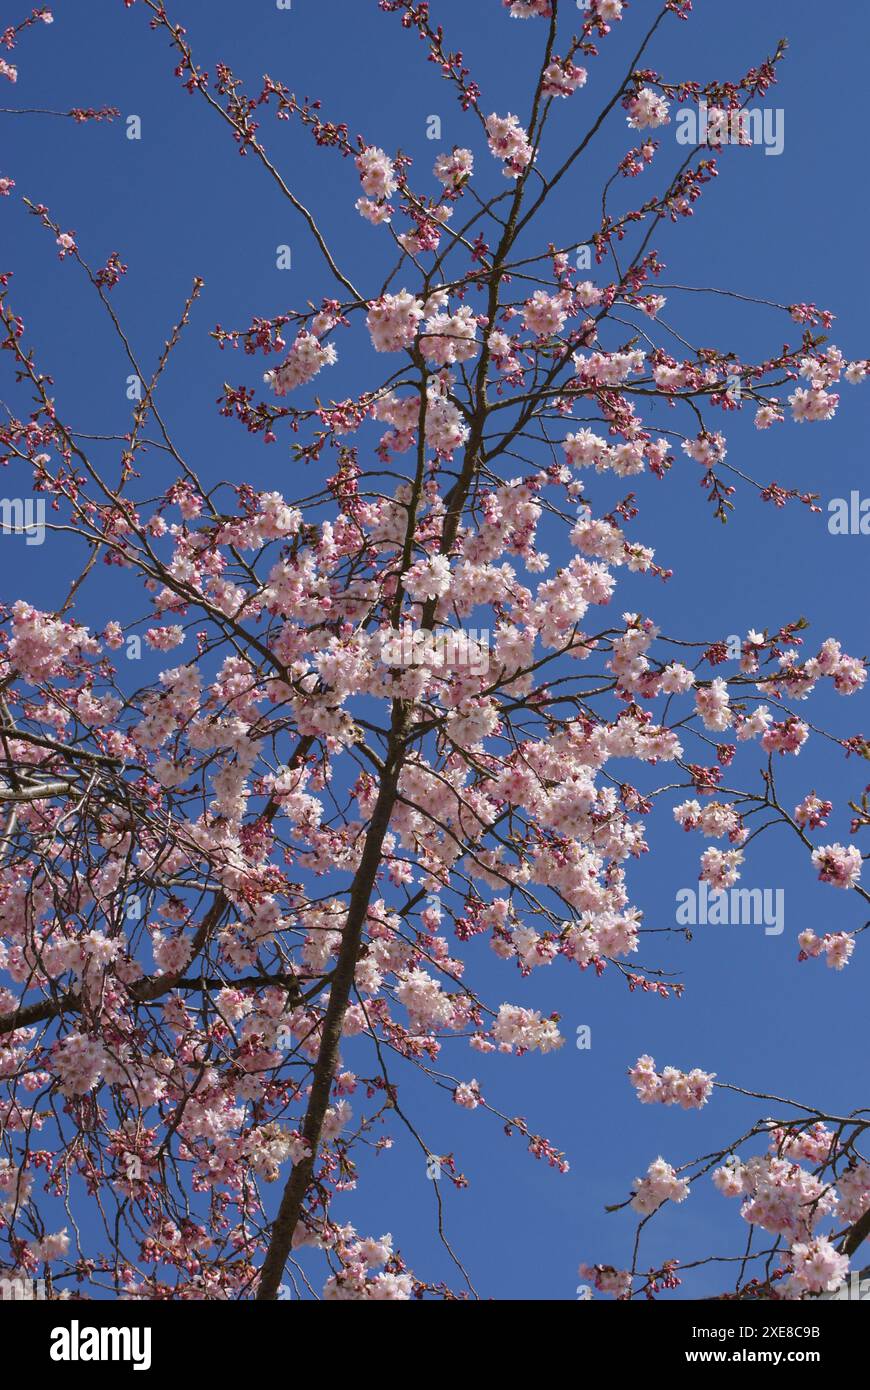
{"x": 180, "y": 202}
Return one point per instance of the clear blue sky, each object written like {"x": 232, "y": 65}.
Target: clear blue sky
{"x": 181, "y": 203}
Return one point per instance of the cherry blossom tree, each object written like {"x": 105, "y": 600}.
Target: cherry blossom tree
{"x": 234, "y": 901}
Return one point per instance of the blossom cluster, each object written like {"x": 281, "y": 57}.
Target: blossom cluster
{"x": 690, "y": 1090}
